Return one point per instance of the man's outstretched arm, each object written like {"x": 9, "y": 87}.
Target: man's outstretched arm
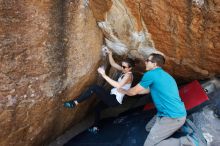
{"x": 138, "y": 89}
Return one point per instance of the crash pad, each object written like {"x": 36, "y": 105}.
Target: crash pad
{"x": 125, "y": 130}
{"x": 191, "y": 94}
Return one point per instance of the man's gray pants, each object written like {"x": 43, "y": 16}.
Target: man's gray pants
{"x": 163, "y": 128}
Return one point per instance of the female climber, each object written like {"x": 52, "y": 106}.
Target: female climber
{"x": 112, "y": 98}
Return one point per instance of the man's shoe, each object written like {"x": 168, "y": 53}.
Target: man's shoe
{"x": 194, "y": 133}
{"x": 193, "y": 139}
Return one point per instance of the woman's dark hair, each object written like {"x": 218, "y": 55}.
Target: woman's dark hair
{"x": 130, "y": 62}
{"x": 158, "y": 58}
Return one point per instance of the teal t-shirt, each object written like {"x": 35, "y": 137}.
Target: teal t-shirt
{"x": 164, "y": 92}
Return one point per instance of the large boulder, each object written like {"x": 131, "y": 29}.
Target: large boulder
{"x": 49, "y": 52}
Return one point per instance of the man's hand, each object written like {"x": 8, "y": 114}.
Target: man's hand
{"x": 121, "y": 90}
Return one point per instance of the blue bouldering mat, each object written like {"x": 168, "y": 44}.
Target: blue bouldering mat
{"x": 128, "y": 129}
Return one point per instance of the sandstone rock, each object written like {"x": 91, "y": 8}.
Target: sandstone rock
{"x": 48, "y": 52}
{"x": 186, "y": 31}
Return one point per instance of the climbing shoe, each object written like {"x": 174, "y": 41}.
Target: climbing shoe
{"x": 69, "y": 104}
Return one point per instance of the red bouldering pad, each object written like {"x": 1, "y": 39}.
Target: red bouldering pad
{"x": 191, "y": 94}
{"x": 149, "y": 106}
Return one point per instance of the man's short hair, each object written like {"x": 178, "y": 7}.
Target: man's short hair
{"x": 158, "y": 58}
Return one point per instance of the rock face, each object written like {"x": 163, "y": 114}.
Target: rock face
{"x": 49, "y": 52}
{"x": 186, "y": 31}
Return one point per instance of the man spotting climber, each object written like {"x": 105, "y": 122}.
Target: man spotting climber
{"x": 171, "y": 112}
